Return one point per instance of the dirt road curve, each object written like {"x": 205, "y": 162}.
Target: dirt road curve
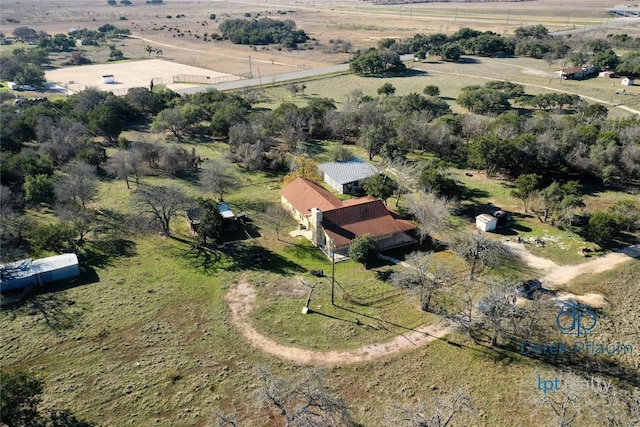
{"x": 241, "y": 298}
{"x": 242, "y": 295}
{"x": 559, "y": 275}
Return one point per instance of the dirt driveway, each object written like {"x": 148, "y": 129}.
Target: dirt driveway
{"x": 241, "y": 298}
{"x": 242, "y": 295}
{"x": 557, "y": 275}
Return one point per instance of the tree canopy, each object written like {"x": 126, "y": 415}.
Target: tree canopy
{"x": 263, "y": 31}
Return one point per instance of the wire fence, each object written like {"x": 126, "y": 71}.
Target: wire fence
{"x": 194, "y": 78}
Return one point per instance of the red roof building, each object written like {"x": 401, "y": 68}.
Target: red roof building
{"x": 334, "y": 224}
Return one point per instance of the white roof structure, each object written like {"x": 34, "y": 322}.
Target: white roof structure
{"x": 28, "y": 267}
{"x": 346, "y": 172}
{"x": 485, "y": 218}
{"x": 19, "y": 273}
{"x": 225, "y": 210}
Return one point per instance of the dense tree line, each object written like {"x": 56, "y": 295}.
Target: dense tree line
{"x": 25, "y": 65}
{"x": 531, "y": 41}
{"x": 263, "y": 31}
{"x": 376, "y": 62}
{"x": 52, "y": 152}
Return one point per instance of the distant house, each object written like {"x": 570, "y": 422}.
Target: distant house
{"x": 486, "y": 222}
{"x": 607, "y": 74}
{"x": 347, "y": 177}
{"x": 334, "y": 223}
{"x": 627, "y": 81}
{"x": 577, "y": 73}
{"x": 21, "y": 274}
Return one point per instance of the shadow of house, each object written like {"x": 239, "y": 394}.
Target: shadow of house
{"x": 335, "y": 223}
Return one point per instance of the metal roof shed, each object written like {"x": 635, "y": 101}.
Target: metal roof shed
{"x": 225, "y": 210}
{"x": 23, "y": 273}
{"x": 342, "y": 175}
{"x": 486, "y": 222}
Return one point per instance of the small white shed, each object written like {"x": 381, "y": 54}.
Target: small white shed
{"x": 486, "y": 222}
{"x": 108, "y": 78}
{"x": 627, "y": 81}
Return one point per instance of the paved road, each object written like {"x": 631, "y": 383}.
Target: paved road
{"x": 613, "y": 23}
{"x": 279, "y": 78}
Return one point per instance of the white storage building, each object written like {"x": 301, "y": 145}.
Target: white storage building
{"x": 26, "y": 272}
{"x": 486, "y": 222}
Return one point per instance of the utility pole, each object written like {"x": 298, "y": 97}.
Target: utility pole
{"x": 333, "y": 274}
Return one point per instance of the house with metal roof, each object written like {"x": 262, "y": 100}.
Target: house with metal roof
{"x": 577, "y": 73}
{"x": 346, "y": 177}
{"x": 24, "y": 273}
{"x": 334, "y": 223}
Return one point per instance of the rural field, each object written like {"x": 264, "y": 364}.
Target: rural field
{"x": 161, "y": 329}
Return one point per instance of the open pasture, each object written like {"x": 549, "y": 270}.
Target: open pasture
{"x": 361, "y": 23}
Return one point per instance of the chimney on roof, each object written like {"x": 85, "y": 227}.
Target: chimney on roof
{"x": 317, "y": 233}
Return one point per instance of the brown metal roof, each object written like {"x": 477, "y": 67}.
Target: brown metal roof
{"x": 369, "y": 216}
{"x": 572, "y": 70}
{"x": 304, "y": 195}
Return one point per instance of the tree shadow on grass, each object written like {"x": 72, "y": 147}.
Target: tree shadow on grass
{"x": 58, "y": 312}
{"x": 467, "y": 60}
{"x": 103, "y": 252}
{"x": 315, "y": 147}
{"x": 411, "y": 72}
{"x": 621, "y": 241}
{"x": 304, "y": 250}
{"x": 582, "y": 364}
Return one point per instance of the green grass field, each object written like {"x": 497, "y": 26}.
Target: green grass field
{"x": 146, "y": 338}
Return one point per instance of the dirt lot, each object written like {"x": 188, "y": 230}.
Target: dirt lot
{"x": 130, "y": 74}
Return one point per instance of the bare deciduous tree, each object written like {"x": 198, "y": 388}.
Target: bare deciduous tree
{"x": 80, "y": 219}
{"x": 566, "y": 403}
{"x": 218, "y": 178}
{"x": 160, "y": 204}
{"x": 307, "y": 402}
{"x": 276, "y": 217}
{"x": 78, "y": 185}
{"x": 432, "y": 214}
{"x": 499, "y": 310}
{"x": 478, "y": 250}
{"x": 440, "y": 411}
{"x": 425, "y": 275}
